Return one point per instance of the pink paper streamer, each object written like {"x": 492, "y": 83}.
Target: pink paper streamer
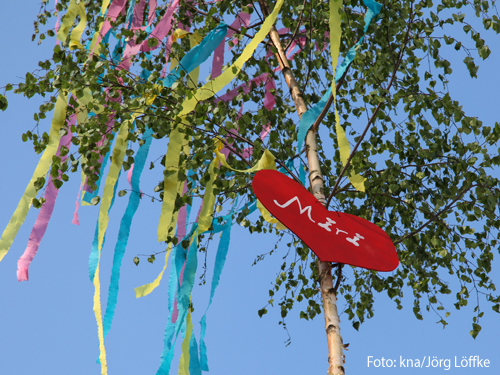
{"x": 218, "y": 59}
{"x": 56, "y": 28}
{"x": 242, "y": 19}
{"x": 152, "y": 11}
{"x": 44, "y": 215}
{"x": 138, "y": 18}
{"x": 160, "y": 31}
{"x": 76, "y": 219}
{"x": 116, "y": 7}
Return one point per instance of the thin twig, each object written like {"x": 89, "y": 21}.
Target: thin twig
{"x": 216, "y": 19}
{"x": 435, "y": 216}
{"x": 339, "y": 278}
{"x": 298, "y": 27}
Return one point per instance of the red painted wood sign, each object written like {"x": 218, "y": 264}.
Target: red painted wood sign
{"x": 332, "y": 236}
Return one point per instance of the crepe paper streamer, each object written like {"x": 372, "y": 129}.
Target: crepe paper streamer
{"x": 267, "y": 161}
{"x": 172, "y": 219}
{"x": 170, "y": 183}
{"x": 56, "y": 27}
{"x": 198, "y": 54}
{"x": 179, "y": 259}
{"x": 218, "y": 60}
{"x": 194, "y": 363}
{"x": 74, "y": 9}
{"x": 160, "y": 31}
{"x": 183, "y": 301}
{"x": 41, "y": 170}
{"x": 206, "y": 214}
{"x": 138, "y": 18}
{"x": 185, "y": 356}
{"x": 220, "y": 260}
{"x": 267, "y": 217}
{"x": 345, "y": 149}
{"x": 43, "y": 217}
{"x": 125, "y": 225}
{"x": 76, "y": 219}
{"x": 130, "y": 13}
{"x": 146, "y": 289}
{"x": 242, "y": 19}
{"x": 94, "y": 44}
{"x": 175, "y": 282}
{"x": 117, "y": 6}
{"x": 309, "y": 117}
{"x": 98, "y": 316}
{"x": 106, "y": 202}
{"x": 215, "y": 85}
{"x": 151, "y": 11}
{"x": 182, "y": 218}
{"x": 94, "y": 253}
{"x": 335, "y": 34}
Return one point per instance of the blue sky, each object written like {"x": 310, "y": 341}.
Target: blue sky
{"x": 47, "y": 325}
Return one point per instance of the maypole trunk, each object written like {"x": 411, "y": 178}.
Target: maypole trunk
{"x": 332, "y": 321}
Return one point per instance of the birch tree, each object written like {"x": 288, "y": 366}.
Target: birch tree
{"x": 392, "y": 144}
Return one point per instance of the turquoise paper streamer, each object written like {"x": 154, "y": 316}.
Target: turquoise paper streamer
{"x": 183, "y": 300}
{"x": 123, "y": 234}
{"x": 198, "y": 54}
{"x": 194, "y": 361}
{"x": 220, "y": 260}
{"x": 310, "y": 116}
{"x": 94, "y": 253}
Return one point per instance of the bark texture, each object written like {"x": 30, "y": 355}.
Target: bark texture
{"x": 332, "y": 321}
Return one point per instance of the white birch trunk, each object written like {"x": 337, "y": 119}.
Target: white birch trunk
{"x": 332, "y": 321}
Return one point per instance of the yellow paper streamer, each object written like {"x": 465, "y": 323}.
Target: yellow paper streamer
{"x": 98, "y": 317}
{"x": 107, "y": 196}
{"x": 144, "y": 290}
{"x": 267, "y": 161}
{"x": 74, "y": 9}
{"x": 170, "y": 181}
{"x": 185, "y": 356}
{"x": 344, "y": 147}
{"x": 207, "y": 209}
{"x": 267, "y": 216}
{"x": 179, "y": 34}
{"x": 41, "y": 170}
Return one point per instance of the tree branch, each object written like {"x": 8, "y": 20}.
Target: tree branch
{"x": 435, "y": 216}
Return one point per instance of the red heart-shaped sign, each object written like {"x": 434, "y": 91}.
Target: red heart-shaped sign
{"x": 333, "y": 236}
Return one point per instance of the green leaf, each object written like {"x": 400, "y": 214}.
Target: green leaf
{"x": 136, "y": 261}
{"x": 3, "y": 103}
{"x": 476, "y": 328}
